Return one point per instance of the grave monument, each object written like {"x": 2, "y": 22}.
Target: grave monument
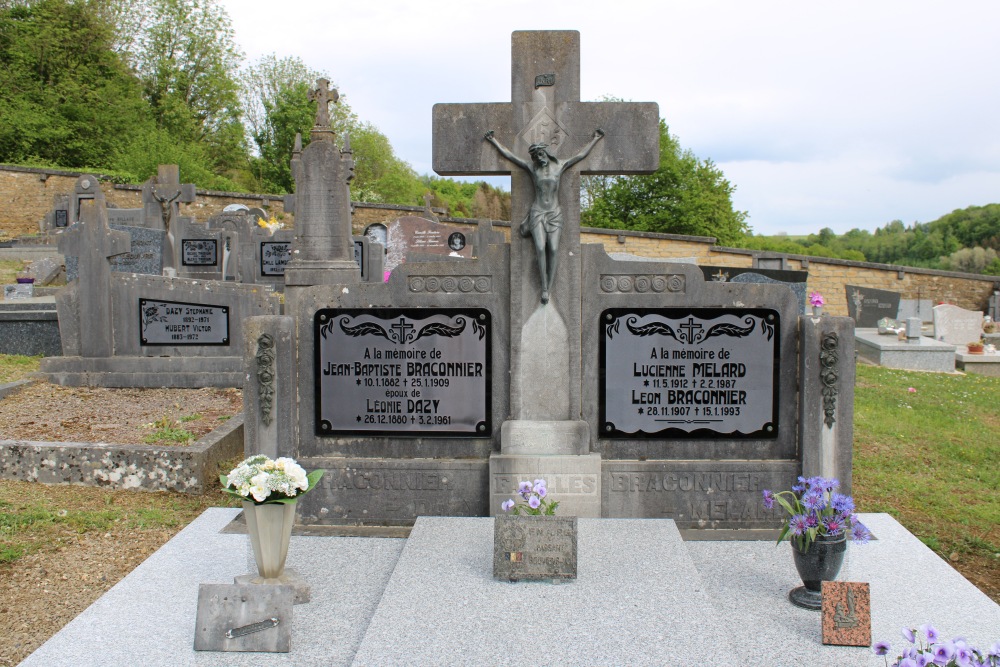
{"x": 636, "y": 389}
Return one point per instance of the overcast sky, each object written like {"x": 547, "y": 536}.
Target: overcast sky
{"x": 823, "y": 114}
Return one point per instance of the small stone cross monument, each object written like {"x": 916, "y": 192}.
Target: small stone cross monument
{"x": 322, "y": 252}
{"x": 162, "y": 199}
{"x": 545, "y": 138}
{"x": 94, "y": 242}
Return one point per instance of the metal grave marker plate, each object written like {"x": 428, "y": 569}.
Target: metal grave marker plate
{"x": 199, "y": 252}
{"x": 247, "y": 617}
{"x": 689, "y": 373}
{"x": 179, "y": 323}
{"x": 274, "y": 257}
{"x": 62, "y": 217}
{"x": 847, "y": 613}
{"x": 534, "y": 547}
{"x": 411, "y": 372}
{"x": 359, "y": 255}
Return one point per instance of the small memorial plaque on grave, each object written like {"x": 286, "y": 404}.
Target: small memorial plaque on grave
{"x": 412, "y": 372}
{"x": 248, "y": 617}
{"x": 18, "y": 291}
{"x": 689, "y": 373}
{"x": 62, "y": 217}
{"x": 199, "y": 252}
{"x": 274, "y": 256}
{"x": 178, "y": 323}
{"x": 359, "y": 255}
{"x": 847, "y": 613}
{"x": 529, "y": 548}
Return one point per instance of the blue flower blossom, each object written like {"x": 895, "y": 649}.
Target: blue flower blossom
{"x": 881, "y": 648}
{"x": 768, "y": 499}
{"x": 798, "y": 524}
{"x": 841, "y": 503}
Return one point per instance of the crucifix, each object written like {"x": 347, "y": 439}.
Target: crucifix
{"x": 497, "y": 138}
{"x": 168, "y": 193}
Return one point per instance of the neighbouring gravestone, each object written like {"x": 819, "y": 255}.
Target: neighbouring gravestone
{"x": 957, "y": 326}
{"x": 129, "y": 330}
{"x": 44, "y": 270}
{"x": 412, "y": 234}
{"x": 145, "y": 255}
{"x": 533, "y": 548}
{"x": 794, "y": 280}
{"x": 866, "y": 305}
{"x": 994, "y": 306}
{"x": 921, "y": 308}
{"x": 437, "y": 392}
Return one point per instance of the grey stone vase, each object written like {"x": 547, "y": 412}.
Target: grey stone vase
{"x": 820, "y": 563}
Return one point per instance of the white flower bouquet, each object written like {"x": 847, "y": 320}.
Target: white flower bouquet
{"x": 262, "y": 480}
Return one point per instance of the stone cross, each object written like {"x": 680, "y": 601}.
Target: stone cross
{"x": 545, "y": 108}
{"x": 323, "y": 95}
{"x": 94, "y": 243}
{"x": 166, "y": 194}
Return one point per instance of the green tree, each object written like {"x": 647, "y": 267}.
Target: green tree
{"x": 277, "y": 107}
{"x": 66, "y": 97}
{"x": 187, "y": 60}
{"x": 686, "y": 195}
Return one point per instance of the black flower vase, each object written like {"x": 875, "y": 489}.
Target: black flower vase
{"x": 820, "y": 563}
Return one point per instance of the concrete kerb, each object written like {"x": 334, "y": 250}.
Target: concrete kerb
{"x": 145, "y": 467}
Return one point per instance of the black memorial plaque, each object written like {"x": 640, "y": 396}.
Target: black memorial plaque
{"x": 410, "y": 372}
{"x": 359, "y": 255}
{"x": 178, "y": 323}
{"x": 62, "y": 217}
{"x": 199, "y": 252}
{"x": 274, "y": 256}
{"x": 689, "y": 373}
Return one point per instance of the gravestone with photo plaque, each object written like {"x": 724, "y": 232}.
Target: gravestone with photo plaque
{"x": 867, "y": 305}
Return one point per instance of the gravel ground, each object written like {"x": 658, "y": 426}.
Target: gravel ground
{"x": 50, "y": 413}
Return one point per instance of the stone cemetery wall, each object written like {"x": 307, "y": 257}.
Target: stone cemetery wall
{"x": 27, "y": 194}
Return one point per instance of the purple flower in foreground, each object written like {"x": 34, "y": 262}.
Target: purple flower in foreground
{"x": 534, "y": 502}
{"x": 995, "y": 650}
{"x": 524, "y": 487}
{"x": 963, "y": 656}
{"x": 798, "y": 524}
{"x": 507, "y": 505}
{"x": 907, "y": 662}
{"x": 768, "y": 499}
{"x": 813, "y": 500}
{"x": 861, "y": 535}
{"x": 841, "y": 503}
{"x": 928, "y": 631}
{"x": 812, "y": 521}
{"x": 881, "y": 648}
{"x": 922, "y": 660}
{"x": 539, "y": 486}
{"x": 542, "y": 491}
{"x": 943, "y": 653}
{"x": 833, "y": 524}
{"x": 907, "y": 632}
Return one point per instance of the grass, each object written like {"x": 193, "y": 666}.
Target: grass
{"x": 168, "y": 431}
{"x": 37, "y": 517}
{"x": 10, "y": 269}
{"x": 927, "y": 451}
{"x": 17, "y": 367}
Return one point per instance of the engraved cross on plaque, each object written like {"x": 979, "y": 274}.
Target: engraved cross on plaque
{"x": 545, "y": 108}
